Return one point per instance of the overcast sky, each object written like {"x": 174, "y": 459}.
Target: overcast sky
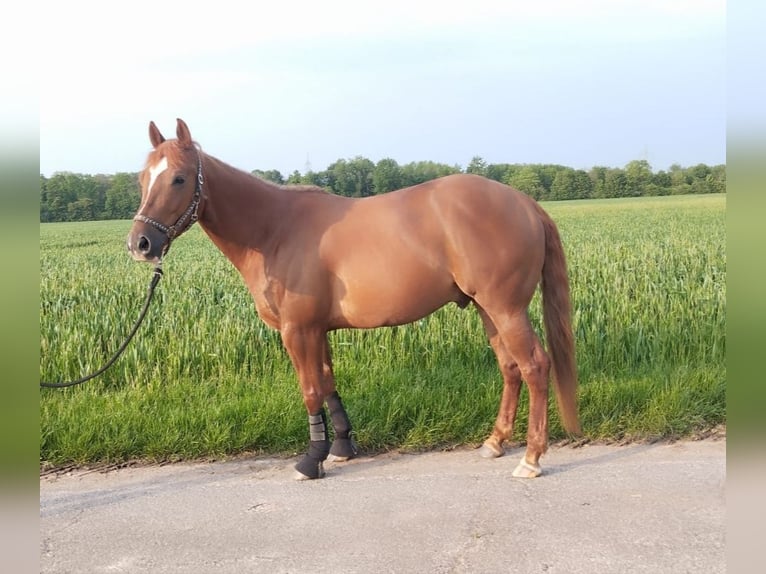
{"x": 275, "y": 85}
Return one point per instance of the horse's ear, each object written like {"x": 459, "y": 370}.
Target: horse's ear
{"x": 154, "y": 135}
{"x": 183, "y": 134}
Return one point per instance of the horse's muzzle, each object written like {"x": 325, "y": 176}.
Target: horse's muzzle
{"x": 146, "y": 244}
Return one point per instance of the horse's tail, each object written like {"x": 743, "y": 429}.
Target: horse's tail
{"x": 557, "y": 312}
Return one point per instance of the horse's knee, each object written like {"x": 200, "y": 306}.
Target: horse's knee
{"x": 511, "y": 373}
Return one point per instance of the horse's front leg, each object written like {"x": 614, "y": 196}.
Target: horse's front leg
{"x": 306, "y": 349}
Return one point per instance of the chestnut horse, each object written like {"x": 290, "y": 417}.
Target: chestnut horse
{"x": 315, "y": 262}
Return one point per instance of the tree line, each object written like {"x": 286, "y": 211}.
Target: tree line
{"x": 80, "y": 197}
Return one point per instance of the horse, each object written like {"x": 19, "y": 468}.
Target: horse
{"x": 315, "y": 262}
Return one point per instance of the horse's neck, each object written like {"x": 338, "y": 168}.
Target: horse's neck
{"x": 239, "y": 213}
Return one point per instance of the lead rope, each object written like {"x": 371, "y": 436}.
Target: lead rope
{"x": 149, "y": 294}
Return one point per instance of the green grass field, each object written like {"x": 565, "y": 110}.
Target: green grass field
{"x": 204, "y": 377}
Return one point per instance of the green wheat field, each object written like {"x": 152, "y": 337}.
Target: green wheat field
{"x": 205, "y": 378}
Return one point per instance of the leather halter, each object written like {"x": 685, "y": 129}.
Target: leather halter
{"x": 191, "y": 212}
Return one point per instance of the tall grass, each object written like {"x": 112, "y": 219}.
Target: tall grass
{"x": 205, "y": 377}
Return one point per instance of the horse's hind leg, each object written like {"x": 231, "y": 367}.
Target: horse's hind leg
{"x": 343, "y": 446}
{"x": 522, "y": 343}
{"x": 506, "y": 416}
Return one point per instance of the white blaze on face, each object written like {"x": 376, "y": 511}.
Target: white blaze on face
{"x": 154, "y": 173}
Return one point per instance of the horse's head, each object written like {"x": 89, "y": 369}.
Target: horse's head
{"x": 171, "y": 188}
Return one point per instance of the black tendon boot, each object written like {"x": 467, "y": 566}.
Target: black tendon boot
{"x": 343, "y": 446}
{"x": 310, "y": 466}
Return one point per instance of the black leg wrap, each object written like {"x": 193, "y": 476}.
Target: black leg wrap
{"x": 343, "y": 446}
{"x": 343, "y": 449}
{"x": 319, "y": 446}
{"x": 340, "y": 423}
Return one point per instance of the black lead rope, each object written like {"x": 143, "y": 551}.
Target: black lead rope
{"x": 150, "y": 293}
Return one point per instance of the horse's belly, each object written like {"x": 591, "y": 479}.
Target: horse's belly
{"x": 392, "y": 300}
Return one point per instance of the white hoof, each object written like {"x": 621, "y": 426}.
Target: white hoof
{"x": 336, "y": 458}
{"x": 526, "y": 470}
{"x": 298, "y": 475}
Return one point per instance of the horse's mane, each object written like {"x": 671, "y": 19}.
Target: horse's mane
{"x": 302, "y": 188}
{"x": 174, "y": 154}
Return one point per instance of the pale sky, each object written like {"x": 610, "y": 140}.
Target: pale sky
{"x": 276, "y": 84}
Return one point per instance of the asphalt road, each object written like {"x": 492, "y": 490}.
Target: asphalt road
{"x": 650, "y": 508}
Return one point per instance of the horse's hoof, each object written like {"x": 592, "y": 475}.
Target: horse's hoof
{"x": 306, "y": 471}
{"x": 342, "y": 449}
{"x": 526, "y": 470}
{"x": 335, "y": 458}
{"x": 490, "y": 451}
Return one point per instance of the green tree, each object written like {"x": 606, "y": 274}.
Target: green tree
{"x": 527, "y": 180}
{"x": 571, "y": 184}
{"x": 98, "y": 187}
{"x": 583, "y": 185}
{"x": 717, "y": 179}
{"x": 638, "y": 173}
{"x": 563, "y": 186}
{"x": 616, "y": 183}
{"x": 547, "y": 173}
{"x": 67, "y": 196}
{"x": 597, "y": 175}
{"x": 501, "y": 172}
{"x": 60, "y": 193}
{"x": 661, "y": 183}
{"x": 317, "y": 178}
{"x": 681, "y": 182}
{"x": 340, "y": 180}
{"x": 44, "y": 213}
{"x": 352, "y": 178}
{"x": 699, "y": 171}
{"x": 123, "y": 196}
{"x": 273, "y": 175}
{"x": 477, "y": 166}
{"x": 294, "y": 178}
{"x": 414, "y": 173}
{"x": 82, "y": 209}
{"x": 360, "y": 170}
{"x": 387, "y": 176}
{"x": 699, "y": 175}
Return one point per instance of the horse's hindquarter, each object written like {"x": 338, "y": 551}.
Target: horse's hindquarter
{"x": 496, "y": 239}
{"x": 397, "y": 257}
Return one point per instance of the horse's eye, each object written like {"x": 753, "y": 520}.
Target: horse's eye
{"x": 179, "y": 180}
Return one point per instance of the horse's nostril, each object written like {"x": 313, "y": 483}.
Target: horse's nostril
{"x": 144, "y": 245}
